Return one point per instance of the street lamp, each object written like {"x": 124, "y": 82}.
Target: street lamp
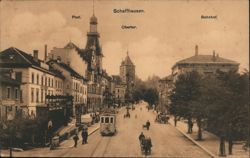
{"x": 10, "y": 118}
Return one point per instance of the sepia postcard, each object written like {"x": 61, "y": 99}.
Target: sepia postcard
{"x": 124, "y": 78}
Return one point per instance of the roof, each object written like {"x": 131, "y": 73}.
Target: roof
{"x": 127, "y": 61}
{"x": 86, "y": 54}
{"x": 68, "y": 68}
{"x": 8, "y": 80}
{"x": 93, "y": 19}
{"x": 167, "y": 78}
{"x": 116, "y": 79}
{"x": 71, "y": 45}
{"x": 13, "y": 57}
{"x": 206, "y": 59}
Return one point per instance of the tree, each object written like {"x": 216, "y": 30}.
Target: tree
{"x": 185, "y": 92}
{"x": 151, "y": 96}
{"x": 228, "y": 109}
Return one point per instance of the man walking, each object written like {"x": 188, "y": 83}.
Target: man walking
{"x": 141, "y": 137}
{"x": 85, "y": 136}
{"x": 75, "y": 138}
{"x": 148, "y": 124}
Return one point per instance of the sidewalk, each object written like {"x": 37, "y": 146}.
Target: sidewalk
{"x": 69, "y": 143}
{"x": 210, "y": 142}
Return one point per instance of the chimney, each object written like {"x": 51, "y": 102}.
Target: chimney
{"x": 35, "y": 55}
{"x": 214, "y": 55}
{"x": 45, "y": 52}
{"x": 196, "y": 50}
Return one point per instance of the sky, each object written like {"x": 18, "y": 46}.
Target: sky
{"x": 166, "y": 32}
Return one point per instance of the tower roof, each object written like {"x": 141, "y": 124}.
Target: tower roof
{"x": 127, "y": 61}
{"x": 93, "y": 19}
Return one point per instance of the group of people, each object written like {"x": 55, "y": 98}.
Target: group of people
{"x": 84, "y": 137}
{"x": 95, "y": 118}
{"x": 145, "y": 143}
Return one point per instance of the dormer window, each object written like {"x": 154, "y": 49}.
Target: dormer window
{"x": 11, "y": 57}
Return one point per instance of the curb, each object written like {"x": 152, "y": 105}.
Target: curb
{"x": 94, "y": 131}
{"x": 79, "y": 139}
{"x": 196, "y": 143}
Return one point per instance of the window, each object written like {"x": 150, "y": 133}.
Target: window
{"x": 32, "y": 95}
{"x": 37, "y": 95}
{"x": 41, "y": 95}
{"x": 32, "y": 78}
{"x": 37, "y": 79}
{"x": 45, "y": 81}
{"x": 106, "y": 119}
{"x": 21, "y": 96}
{"x": 111, "y": 119}
{"x": 42, "y": 80}
{"x": 56, "y": 84}
{"x": 49, "y": 82}
{"x": 102, "y": 120}
{"x": 52, "y": 81}
{"x": 8, "y": 92}
{"x": 16, "y": 93}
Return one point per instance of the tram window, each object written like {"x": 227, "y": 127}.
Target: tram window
{"x": 106, "y": 119}
{"x": 102, "y": 120}
{"x": 111, "y": 120}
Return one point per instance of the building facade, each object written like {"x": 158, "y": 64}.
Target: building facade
{"x": 204, "y": 64}
{"x": 10, "y": 105}
{"x": 37, "y": 79}
{"x": 127, "y": 75}
{"x": 75, "y": 85}
{"x": 165, "y": 87}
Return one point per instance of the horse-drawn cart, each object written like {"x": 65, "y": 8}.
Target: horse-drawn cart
{"x": 162, "y": 118}
{"x": 146, "y": 145}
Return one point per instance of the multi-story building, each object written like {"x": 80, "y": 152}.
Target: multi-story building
{"x": 70, "y": 55}
{"x": 9, "y": 95}
{"x": 165, "y": 87}
{"x": 88, "y": 63}
{"x": 127, "y": 71}
{"x": 204, "y": 64}
{"x": 127, "y": 75}
{"x": 119, "y": 90}
{"x": 74, "y": 84}
{"x": 37, "y": 79}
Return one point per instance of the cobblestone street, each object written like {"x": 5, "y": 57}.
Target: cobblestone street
{"x": 167, "y": 141}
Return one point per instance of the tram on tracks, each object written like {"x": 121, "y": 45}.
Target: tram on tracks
{"x": 108, "y": 123}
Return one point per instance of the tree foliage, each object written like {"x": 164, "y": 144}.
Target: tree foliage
{"x": 221, "y": 99}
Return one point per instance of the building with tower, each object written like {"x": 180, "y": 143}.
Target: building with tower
{"x": 127, "y": 75}
{"x": 87, "y": 62}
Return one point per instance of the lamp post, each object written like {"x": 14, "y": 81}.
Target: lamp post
{"x": 10, "y": 118}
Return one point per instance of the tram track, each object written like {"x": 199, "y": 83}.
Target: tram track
{"x": 104, "y": 141}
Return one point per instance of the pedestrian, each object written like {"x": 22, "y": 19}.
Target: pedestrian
{"x": 148, "y": 124}
{"x": 75, "y": 138}
{"x": 191, "y": 126}
{"x": 141, "y": 137}
{"x": 85, "y": 136}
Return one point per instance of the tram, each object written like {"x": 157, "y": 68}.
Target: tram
{"x": 108, "y": 123}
